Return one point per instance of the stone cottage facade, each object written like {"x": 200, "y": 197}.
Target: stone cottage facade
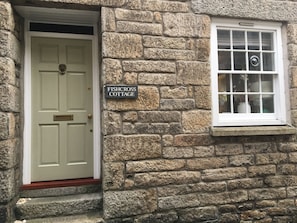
{"x": 172, "y": 154}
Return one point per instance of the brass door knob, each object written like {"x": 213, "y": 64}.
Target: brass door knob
{"x": 90, "y": 116}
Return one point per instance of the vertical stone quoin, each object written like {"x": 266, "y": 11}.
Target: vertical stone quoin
{"x": 292, "y": 44}
{"x": 10, "y": 59}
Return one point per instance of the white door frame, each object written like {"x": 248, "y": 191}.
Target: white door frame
{"x": 28, "y": 100}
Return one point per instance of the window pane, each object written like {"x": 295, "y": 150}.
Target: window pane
{"x": 224, "y": 82}
{"x": 224, "y": 60}
{"x": 268, "y": 105}
{"x": 267, "y": 83}
{"x": 223, "y": 39}
{"x": 238, "y": 82}
{"x": 268, "y": 61}
{"x": 254, "y": 101}
{"x": 238, "y": 40}
{"x": 224, "y": 103}
{"x": 254, "y": 61}
{"x": 267, "y": 41}
{"x": 253, "y": 82}
{"x": 240, "y": 104}
{"x": 253, "y": 40}
{"x": 239, "y": 61}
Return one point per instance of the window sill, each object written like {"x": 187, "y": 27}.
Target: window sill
{"x": 253, "y": 131}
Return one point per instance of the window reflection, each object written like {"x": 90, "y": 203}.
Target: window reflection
{"x": 267, "y": 41}
{"x": 253, "y": 40}
{"x": 224, "y": 83}
{"x": 239, "y": 61}
{"x": 238, "y": 40}
{"x": 224, "y": 60}
{"x": 223, "y": 39}
{"x": 268, "y": 61}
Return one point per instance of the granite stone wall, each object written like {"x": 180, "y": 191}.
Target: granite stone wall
{"x": 160, "y": 161}
{"x": 10, "y": 60}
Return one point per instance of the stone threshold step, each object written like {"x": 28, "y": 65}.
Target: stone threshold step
{"x": 93, "y": 217}
{"x": 61, "y": 191}
{"x": 43, "y": 207}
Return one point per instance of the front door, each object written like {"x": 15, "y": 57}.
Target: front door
{"x": 62, "y": 125}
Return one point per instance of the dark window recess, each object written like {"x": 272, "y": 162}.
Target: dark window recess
{"x": 58, "y": 28}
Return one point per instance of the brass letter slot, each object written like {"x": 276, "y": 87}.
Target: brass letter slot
{"x": 63, "y": 117}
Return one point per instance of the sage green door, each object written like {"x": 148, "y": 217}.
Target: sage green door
{"x": 62, "y": 140}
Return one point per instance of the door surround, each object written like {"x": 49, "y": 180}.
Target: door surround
{"x": 91, "y": 20}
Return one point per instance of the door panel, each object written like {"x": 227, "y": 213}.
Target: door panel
{"x": 76, "y": 91}
{"x": 49, "y": 53}
{"x": 74, "y": 55}
{"x": 62, "y": 140}
{"x": 76, "y": 140}
{"x": 49, "y": 91}
{"x": 49, "y": 145}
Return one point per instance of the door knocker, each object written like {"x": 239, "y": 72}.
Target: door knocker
{"x": 62, "y": 68}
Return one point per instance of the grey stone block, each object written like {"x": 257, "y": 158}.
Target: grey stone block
{"x": 30, "y": 208}
{"x": 7, "y": 190}
{"x": 123, "y": 203}
{"x": 3, "y": 213}
{"x": 8, "y": 153}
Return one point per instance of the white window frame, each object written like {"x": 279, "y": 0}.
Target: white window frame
{"x": 249, "y": 119}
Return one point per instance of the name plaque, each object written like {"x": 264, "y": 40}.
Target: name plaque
{"x": 121, "y": 91}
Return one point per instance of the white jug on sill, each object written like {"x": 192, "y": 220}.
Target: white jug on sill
{"x": 244, "y": 107}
